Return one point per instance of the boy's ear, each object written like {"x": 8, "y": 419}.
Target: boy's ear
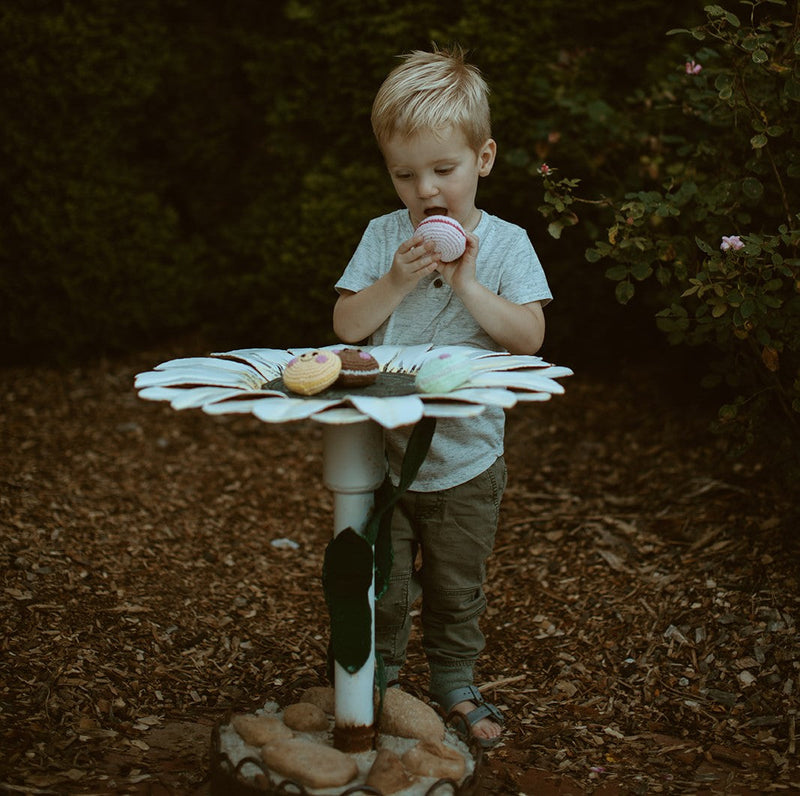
{"x": 486, "y": 157}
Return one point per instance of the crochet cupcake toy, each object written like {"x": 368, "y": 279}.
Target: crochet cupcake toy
{"x": 447, "y": 234}
{"x": 359, "y": 368}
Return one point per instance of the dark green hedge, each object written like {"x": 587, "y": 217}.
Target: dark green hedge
{"x": 173, "y": 166}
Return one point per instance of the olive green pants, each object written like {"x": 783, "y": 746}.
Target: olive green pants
{"x": 441, "y": 541}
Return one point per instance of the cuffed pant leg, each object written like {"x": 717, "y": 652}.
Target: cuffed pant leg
{"x": 455, "y": 549}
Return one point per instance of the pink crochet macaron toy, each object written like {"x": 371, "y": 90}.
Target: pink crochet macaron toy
{"x": 447, "y": 234}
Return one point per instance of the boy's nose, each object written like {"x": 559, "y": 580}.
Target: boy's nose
{"x": 427, "y": 188}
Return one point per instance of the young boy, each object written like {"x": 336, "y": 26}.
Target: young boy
{"x": 431, "y": 120}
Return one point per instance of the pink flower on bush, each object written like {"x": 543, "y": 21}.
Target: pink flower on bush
{"x": 731, "y": 242}
{"x": 692, "y": 68}
{"x": 544, "y": 169}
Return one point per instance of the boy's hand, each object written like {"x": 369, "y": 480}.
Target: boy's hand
{"x": 413, "y": 259}
{"x": 460, "y": 273}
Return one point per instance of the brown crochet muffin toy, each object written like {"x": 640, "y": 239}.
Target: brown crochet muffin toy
{"x": 359, "y": 368}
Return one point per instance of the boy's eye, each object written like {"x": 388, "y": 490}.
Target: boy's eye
{"x": 444, "y": 170}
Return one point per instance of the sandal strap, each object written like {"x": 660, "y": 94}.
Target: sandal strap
{"x": 466, "y": 693}
{"x": 470, "y": 693}
{"x": 483, "y": 711}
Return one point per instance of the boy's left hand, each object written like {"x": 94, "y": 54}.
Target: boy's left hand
{"x": 460, "y": 273}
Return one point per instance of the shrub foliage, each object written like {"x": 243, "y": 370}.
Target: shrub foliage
{"x": 702, "y": 221}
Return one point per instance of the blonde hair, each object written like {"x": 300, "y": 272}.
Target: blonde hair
{"x": 433, "y": 91}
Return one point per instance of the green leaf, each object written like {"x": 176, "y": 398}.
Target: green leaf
{"x": 760, "y": 57}
{"x": 555, "y": 228}
{"x": 758, "y": 141}
{"x": 747, "y": 308}
{"x": 624, "y": 292}
{"x": 704, "y": 247}
{"x": 593, "y": 255}
{"x": 718, "y": 310}
{"x": 384, "y": 553}
{"x": 416, "y": 450}
{"x": 617, "y": 272}
{"x": 346, "y": 579}
{"x": 791, "y": 89}
{"x": 723, "y": 80}
{"x": 752, "y": 188}
{"x": 378, "y": 529}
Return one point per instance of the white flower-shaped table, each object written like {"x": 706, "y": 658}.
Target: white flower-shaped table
{"x": 249, "y": 381}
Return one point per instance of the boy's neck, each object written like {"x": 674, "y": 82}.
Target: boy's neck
{"x": 474, "y": 220}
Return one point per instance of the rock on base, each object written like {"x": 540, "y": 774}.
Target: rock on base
{"x": 305, "y": 717}
{"x": 433, "y": 759}
{"x": 259, "y": 730}
{"x": 409, "y": 717}
{"x": 310, "y": 764}
{"x": 320, "y": 696}
{"x": 388, "y": 774}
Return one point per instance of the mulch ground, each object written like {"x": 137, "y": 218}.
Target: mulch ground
{"x": 643, "y": 597}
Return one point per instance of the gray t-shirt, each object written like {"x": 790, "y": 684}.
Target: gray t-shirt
{"x": 431, "y": 313}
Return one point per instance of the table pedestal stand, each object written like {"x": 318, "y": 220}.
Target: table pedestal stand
{"x": 353, "y": 468}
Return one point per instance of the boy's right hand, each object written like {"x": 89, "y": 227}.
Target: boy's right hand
{"x": 413, "y": 259}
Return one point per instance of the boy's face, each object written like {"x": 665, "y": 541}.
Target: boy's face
{"x": 436, "y": 173}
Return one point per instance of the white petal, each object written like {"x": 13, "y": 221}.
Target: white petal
{"x": 160, "y": 393}
{"x": 192, "y": 362}
{"x": 556, "y": 371}
{"x": 269, "y": 362}
{"x": 199, "y": 396}
{"x": 331, "y": 347}
{"x": 243, "y": 406}
{"x": 521, "y": 380}
{"x": 384, "y": 354}
{"x": 339, "y": 416}
{"x": 241, "y": 402}
{"x": 459, "y": 351}
{"x": 201, "y": 375}
{"x": 279, "y": 411}
{"x": 499, "y": 361}
{"x": 528, "y": 397}
{"x": 409, "y": 358}
{"x": 399, "y": 410}
{"x": 452, "y": 409}
{"x": 480, "y": 395}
